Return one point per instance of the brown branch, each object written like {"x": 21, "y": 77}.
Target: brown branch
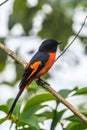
{"x": 13, "y": 55}
{"x": 62, "y": 100}
{"x": 46, "y": 86}
{"x": 3, "y": 2}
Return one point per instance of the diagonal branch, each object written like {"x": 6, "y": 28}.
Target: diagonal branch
{"x": 72, "y": 40}
{"x": 3, "y": 2}
{"x": 62, "y": 100}
{"x": 43, "y": 84}
{"x": 12, "y": 54}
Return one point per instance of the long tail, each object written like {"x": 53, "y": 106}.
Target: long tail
{"x": 14, "y": 103}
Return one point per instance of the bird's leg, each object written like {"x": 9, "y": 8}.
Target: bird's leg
{"x": 41, "y": 82}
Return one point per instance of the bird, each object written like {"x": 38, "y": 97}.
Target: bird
{"x": 39, "y": 64}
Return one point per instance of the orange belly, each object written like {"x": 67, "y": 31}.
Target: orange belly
{"x": 48, "y": 65}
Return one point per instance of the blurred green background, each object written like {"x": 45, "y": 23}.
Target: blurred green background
{"x": 42, "y": 19}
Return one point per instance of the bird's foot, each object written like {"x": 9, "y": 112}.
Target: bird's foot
{"x": 41, "y": 82}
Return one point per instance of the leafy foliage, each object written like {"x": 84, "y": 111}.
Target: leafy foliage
{"x": 60, "y": 16}
{"x": 56, "y": 24}
{"x": 32, "y": 114}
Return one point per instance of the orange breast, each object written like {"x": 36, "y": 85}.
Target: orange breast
{"x": 48, "y": 65}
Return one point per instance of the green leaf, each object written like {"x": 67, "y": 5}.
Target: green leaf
{"x": 33, "y": 87}
{"x": 55, "y": 22}
{"x": 29, "y": 116}
{"x": 32, "y": 106}
{"x": 16, "y": 111}
{"x": 45, "y": 115}
{"x": 19, "y": 12}
{"x": 12, "y": 21}
{"x": 73, "y": 118}
{"x": 81, "y": 91}
{"x": 56, "y": 118}
{"x": 2, "y": 120}
{"x": 30, "y": 128}
{"x": 24, "y": 15}
{"x": 76, "y": 126}
{"x": 65, "y": 92}
{"x": 39, "y": 98}
{"x": 23, "y": 123}
{"x": 4, "y": 108}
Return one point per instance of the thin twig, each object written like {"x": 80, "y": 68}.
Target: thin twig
{"x": 46, "y": 86}
{"x": 12, "y": 54}
{"x": 72, "y": 40}
{"x": 3, "y": 2}
{"x": 11, "y": 126}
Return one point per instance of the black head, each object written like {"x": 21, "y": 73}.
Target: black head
{"x": 49, "y": 45}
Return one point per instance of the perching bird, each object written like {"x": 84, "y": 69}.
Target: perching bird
{"x": 40, "y": 63}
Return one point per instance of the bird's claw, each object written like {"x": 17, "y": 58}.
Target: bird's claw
{"x": 41, "y": 82}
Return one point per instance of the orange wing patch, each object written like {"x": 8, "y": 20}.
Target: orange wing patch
{"x": 34, "y": 66}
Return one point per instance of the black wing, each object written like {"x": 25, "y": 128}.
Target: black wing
{"x": 37, "y": 62}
